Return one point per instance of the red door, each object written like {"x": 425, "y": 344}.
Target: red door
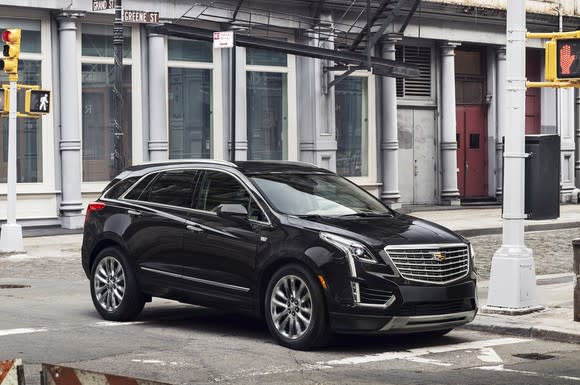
{"x": 533, "y": 95}
{"x": 472, "y": 151}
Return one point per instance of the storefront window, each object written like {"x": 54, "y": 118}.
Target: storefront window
{"x": 190, "y": 120}
{"x": 98, "y": 108}
{"x": 267, "y": 102}
{"x": 28, "y": 130}
{"x": 97, "y": 41}
{"x": 352, "y": 127}
{"x": 190, "y": 98}
{"x": 99, "y": 119}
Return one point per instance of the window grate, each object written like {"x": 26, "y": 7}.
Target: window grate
{"x": 419, "y": 87}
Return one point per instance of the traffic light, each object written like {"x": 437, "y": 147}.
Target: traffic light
{"x": 11, "y": 51}
{"x": 563, "y": 59}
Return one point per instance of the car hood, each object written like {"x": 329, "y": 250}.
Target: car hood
{"x": 379, "y": 231}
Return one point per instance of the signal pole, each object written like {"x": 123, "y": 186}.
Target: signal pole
{"x": 118, "y": 102}
{"x": 512, "y": 286}
{"x": 11, "y": 235}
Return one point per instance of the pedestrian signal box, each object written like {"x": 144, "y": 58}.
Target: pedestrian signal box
{"x": 568, "y": 58}
{"x": 37, "y": 102}
{"x": 562, "y": 60}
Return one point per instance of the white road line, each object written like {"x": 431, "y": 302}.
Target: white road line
{"x": 422, "y": 360}
{"x": 113, "y": 323}
{"x": 489, "y": 355}
{"x": 9, "y": 332}
{"x": 424, "y": 351}
{"x": 501, "y": 368}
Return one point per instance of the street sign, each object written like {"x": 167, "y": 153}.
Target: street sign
{"x": 140, "y": 17}
{"x": 37, "y": 102}
{"x": 103, "y": 5}
{"x": 223, "y": 39}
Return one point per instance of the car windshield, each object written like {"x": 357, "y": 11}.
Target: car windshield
{"x": 317, "y": 194}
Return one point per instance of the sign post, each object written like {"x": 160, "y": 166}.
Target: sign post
{"x": 227, "y": 39}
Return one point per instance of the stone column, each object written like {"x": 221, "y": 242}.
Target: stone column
{"x": 449, "y": 190}
{"x": 390, "y": 138}
{"x": 158, "y": 124}
{"x": 70, "y": 132}
{"x": 501, "y": 119}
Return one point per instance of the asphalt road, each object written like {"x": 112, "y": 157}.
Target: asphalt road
{"x": 52, "y": 320}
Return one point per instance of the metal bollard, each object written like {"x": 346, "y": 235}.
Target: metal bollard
{"x": 576, "y": 269}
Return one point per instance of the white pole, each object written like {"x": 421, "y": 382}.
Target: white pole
{"x": 11, "y": 235}
{"x": 512, "y": 286}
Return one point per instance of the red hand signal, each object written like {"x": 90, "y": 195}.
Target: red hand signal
{"x": 566, "y": 59}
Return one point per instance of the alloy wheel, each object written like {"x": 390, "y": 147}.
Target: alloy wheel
{"x": 291, "y": 307}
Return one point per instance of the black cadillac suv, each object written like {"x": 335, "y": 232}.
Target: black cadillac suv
{"x": 298, "y": 245}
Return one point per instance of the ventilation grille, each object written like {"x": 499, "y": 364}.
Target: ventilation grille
{"x": 419, "y": 87}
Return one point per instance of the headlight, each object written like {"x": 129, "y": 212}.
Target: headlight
{"x": 352, "y": 249}
{"x": 472, "y": 257}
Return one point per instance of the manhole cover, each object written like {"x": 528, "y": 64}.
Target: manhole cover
{"x": 14, "y": 286}
{"x": 534, "y": 356}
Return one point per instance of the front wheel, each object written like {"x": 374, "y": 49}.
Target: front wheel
{"x": 114, "y": 289}
{"x": 295, "y": 309}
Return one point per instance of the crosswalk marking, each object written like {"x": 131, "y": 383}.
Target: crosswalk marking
{"x": 9, "y": 332}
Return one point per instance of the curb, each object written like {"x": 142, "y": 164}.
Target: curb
{"x": 530, "y": 332}
{"x": 527, "y": 228}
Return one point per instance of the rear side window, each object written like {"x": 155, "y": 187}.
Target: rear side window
{"x": 120, "y": 187}
{"x": 174, "y": 188}
{"x": 136, "y": 192}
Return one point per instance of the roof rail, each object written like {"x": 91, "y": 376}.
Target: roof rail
{"x": 214, "y": 161}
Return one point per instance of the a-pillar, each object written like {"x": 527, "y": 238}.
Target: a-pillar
{"x": 158, "y": 132}
{"x": 501, "y": 119}
{"x": 70, "y": 133}
{"x": 449, "y": 190}
{"x": 390, "y": 138}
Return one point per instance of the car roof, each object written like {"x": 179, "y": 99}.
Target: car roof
{"x": 245, "y": 167}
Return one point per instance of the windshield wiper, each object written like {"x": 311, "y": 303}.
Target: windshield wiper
{"x": 368, "y": 214}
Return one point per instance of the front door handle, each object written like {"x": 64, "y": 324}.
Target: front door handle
{"x": 135, "y": 213}
{"x": 195, "y": 228}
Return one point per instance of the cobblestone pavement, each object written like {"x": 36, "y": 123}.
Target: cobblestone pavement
{"x": 552, "y": 254}
{"x": 552, "y": 250}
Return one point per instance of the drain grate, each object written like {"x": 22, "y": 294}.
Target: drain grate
{"x": 534, "y": 356}
{"x": 14, "y": 286}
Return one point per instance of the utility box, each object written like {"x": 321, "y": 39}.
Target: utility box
{"x": 542, "y": 189}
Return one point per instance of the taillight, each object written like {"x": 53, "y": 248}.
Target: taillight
{"x": 93, "y": 206}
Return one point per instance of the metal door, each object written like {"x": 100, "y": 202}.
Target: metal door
{"x": 472, "y": 151}
{"x": 417, "y": 155}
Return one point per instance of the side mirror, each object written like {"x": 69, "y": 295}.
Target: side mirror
{"x": 236, "y": 211}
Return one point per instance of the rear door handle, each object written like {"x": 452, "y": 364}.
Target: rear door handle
{"x": 195, "y": 228}
{"x": 135, "y": 213}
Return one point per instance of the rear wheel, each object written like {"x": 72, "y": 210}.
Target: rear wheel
{"x": 114, "y": 289}
{"x": 295, "y": 309}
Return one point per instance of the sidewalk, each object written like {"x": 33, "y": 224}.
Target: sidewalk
{"x": 553, "y": 292}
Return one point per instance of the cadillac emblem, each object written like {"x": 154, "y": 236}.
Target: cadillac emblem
{"x": 439, "y": 256}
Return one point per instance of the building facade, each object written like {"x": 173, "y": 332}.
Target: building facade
{"x": 433, "y": 139}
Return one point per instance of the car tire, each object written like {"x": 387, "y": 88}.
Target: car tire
{"x": 114, "y": 289}
{"x": 295, "y": 309}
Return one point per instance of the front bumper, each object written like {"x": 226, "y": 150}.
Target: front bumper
{"x": 416, "y": 309}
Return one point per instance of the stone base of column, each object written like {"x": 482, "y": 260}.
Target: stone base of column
{"x": 72, "y": 222}
{"x": 11, "y": 238}
{"x": 450, "y": 201}
{"x": 512, "y": 284}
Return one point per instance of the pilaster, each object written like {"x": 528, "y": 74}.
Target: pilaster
{"x": 158, "y": 145}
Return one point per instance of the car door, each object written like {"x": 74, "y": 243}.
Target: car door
{"x": 221, "y": 251}
{"x": 158, "y": 220}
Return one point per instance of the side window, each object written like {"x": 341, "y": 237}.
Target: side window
{"x": 174, "y": 188}
{"x": 220, "y": 188}
{"x": 120, "y": 187}
{"x": 136, "y": 192}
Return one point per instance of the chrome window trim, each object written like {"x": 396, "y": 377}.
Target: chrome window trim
{"x": 245, "y": 185}
{"x": 197, "y": 280}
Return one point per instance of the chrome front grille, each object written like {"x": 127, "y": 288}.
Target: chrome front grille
{"x": 439, "y": 264}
